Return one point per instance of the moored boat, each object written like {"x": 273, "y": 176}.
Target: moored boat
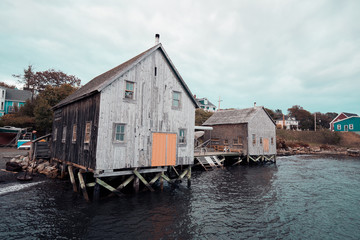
{"x": 9, "y": 135}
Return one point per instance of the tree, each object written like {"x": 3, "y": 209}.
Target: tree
{"x": 305, "y": 118}
{"x": 2, "y": 84}
{"x": 201, "y": 116}
{"x": 271, "y": 113}
{"x": 47, "y": 99}
{"x": 37, "y": 82}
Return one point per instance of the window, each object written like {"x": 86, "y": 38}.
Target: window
{"x": 55, "y": 134}
{"x": 155, "y": 71}
{"x": 74, "y": 133}
{"x": 63, "y": 139}
{"x": 260, "y": 140}
{"x": 338, "y": 127}
{"x": 254, "y": 139}
{"x": 272, "y": 141}
{"x": 176, "y": 100}
{"x": 236, "y": 141}
{"x": 226, "y": 142}
{"x": 129, "y": 90}
{"x": 182, "y": 136}
{"x": 3, "y": 94}
{"x": 119, "y": 135}
{"x": 2, "y": 106}
{"x": 87, "y": 132}
{"x": 351, "y": 126}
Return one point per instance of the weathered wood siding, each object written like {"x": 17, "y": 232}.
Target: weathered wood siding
{"x": 77, "y": 113}
{"x": 229, "y": 133}
{"x": 263, "y": 127}
{"x": 150, "y": 111}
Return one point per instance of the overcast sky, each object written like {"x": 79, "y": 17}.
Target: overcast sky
{"x": 278, "y": 53}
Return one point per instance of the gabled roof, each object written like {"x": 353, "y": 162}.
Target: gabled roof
{"x": 17, "y": 95}
{"x": 100, "y": 82}
{"x": 346, "y": 119}
{"x": 234, "y": 116}
{"x": 202, "y": 104}
{"x": 345, "y": 113}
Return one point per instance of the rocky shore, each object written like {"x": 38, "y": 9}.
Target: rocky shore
{"x": 318, "y": 150}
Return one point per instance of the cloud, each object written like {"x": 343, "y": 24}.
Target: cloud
{"x": 277, "y": 53}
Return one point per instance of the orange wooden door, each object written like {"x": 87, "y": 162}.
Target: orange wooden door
{"x": 163, "y": 149}
{"x": 266, "y": 145}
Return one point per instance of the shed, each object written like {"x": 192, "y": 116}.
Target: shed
{"x": 250, "y": 131}
{"x": 139, "y": 114}
{"x": 339, "y": 117}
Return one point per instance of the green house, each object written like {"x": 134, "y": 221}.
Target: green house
{"x": 350, "y": 124}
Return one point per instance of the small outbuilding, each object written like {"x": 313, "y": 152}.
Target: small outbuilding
{"x": 139, "y": 115}
{"x": 350, "y": 124}
{"x": 250, "y": 131}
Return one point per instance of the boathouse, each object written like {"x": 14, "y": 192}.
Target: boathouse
{"x": 139, "y": 115}
{"x": 250, "y": 131}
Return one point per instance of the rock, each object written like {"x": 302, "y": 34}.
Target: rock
{"x": 13, "y": 166}
{"x": 40, "y": 167}
{"x": 13, "y": 160}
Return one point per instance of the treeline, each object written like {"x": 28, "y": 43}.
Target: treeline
{"x": 48, "y": 89}
{"x": 306, "y": 119}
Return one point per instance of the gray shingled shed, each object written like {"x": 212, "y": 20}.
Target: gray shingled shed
{"x": 250, "y": 131}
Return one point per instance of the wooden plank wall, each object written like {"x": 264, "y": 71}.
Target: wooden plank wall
{"x": 229, "y": 132}
{"x": 262, "y": 126}
{"x": 150, "y": 111}
{"x": 77, "y": 113}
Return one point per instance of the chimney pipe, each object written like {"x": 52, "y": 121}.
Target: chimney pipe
{"x": 157, "y": 38}
{"x": 254, "y": 104}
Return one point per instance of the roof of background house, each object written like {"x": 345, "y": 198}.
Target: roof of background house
{"x": 350, "y": 114}
{"x": 208, "y": 104}
{"x": 234, "y": 116}
{"x": 286, "y": 118}
{"x": 17, "y": 95}
{"x": 103, "y": 80}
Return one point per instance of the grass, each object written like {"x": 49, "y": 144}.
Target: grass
{"x": 321, "y": 138}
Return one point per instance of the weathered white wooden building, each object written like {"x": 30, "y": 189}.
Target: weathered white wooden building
{"x": 250, "y": 131}
{"x": 139, "y": 114}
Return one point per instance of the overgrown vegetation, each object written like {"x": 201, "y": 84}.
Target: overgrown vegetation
{"x": 201, "y": 116}
{"x": 322, "y": 138}
{"x": 49, "y": 88}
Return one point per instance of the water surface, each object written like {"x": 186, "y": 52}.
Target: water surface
{"x": 301, "y": 197}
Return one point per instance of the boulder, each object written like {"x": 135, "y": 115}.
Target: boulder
{"x": 13, "y": 166}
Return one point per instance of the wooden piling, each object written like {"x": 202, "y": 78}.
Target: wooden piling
{"x": 136, "y": 185}
{"x": 72, "y": 178}
{"x": 189, "y": 178}
{"x": 138, "y": 175}
{"x": 83, "y": 187}
{"x": 96, "y": 193}
{"x": 162, "y": 182}
{"x": 108, "y": 187}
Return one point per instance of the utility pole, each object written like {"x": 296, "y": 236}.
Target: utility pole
{"x": 315, "y": 122}
{"x": 219, "y": 103}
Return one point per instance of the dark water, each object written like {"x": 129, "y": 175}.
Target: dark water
{"x": 299, "y": 198}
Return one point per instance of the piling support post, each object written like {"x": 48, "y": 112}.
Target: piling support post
{"x": 189, "y": 178}
{"x": 83, "y": 187}
{"x": 162, "y": 182}
{"x": 72, "y": 178}
{"x": 63, "y": 169}
{"x": 138, "y": 175}
{"x": 136, "y": 185}
{"x": 96, "y": 193}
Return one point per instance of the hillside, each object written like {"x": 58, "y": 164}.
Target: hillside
{"x": 318, "y": 139}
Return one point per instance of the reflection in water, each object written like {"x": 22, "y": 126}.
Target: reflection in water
{"x": 299, "y": 198}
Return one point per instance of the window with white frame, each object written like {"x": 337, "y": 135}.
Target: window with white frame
{"x": 119, "y": 134}
{"x": 129, "y": 90}
{"x": 176, "y": 99}
{"x": 74, "y": 133}
{"x": 87, "y": 132}
{"x": 338, "y": 127}
{"x": 351, "y": 126}
{"x": 63, "y": 139}
{"x": 182, "y": 136}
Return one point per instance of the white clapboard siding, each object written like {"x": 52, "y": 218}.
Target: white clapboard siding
{"x": 151, "y": 111}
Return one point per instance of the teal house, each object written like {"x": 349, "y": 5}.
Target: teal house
{"x": 351, "y": 124}
{"x": 10, "y": 99}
